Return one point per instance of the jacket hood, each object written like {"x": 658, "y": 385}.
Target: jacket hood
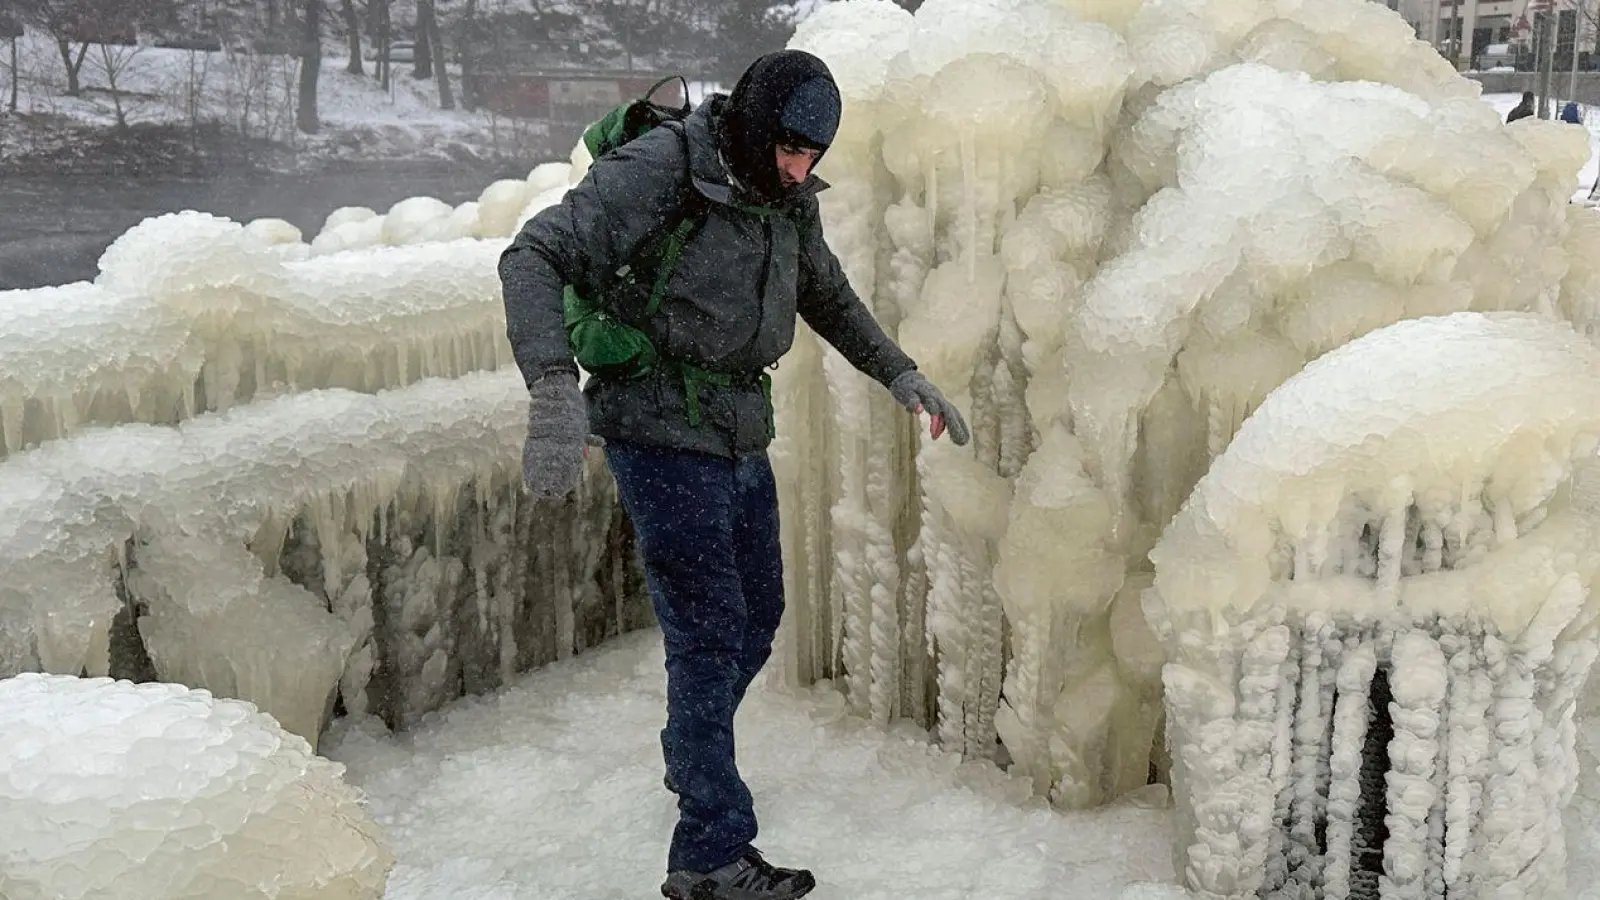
{"x": 784, "y": 97}
{"x": 709, "y": 166}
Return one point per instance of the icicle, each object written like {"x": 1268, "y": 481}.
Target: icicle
{"x": 988, "y": 663}
{"x": 1263, "y": 667}
{"x": 1466, "y": 758}
{"x": 67, "y": 415}
{"x": 1218, "y": 427}
{"x": 1344, "y": 787}
{"x": 1512, "y": 824}
{"x": 328, "y": 528}
{"x": 884, "y": 573}
{"x": 848, "y": 576}
{"x": 1283, "y": 763}
{"x": 11, "y": 423}
{"x": 1392, "y": 546}
{"x": 1419, "y": 683}
{"x": 969, "y": 184}
{"x": 1434, "y": 885}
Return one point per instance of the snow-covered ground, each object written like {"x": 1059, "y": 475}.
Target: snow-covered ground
{"x": 552, "y": 789}
{"x": 252, "y": 93}
{"x": 1504, "y": 103}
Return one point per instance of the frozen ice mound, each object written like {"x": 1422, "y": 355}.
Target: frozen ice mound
{"x": 1379, "y": 598}
{"x": 115, "y": 790}
{"x": 193, "y": 312}
{"x": 68, "y": 509}
{"x": 273, "y": 231}
{"x": 415, "y": 221}
{"x": 194, "y": 261}
{"x": 1111, "y": 231}
{"x": 351, "y": 234}
{"x": 383, "y": 317}
{"x": 500, "y": 207}
{"x": 213, "y": 618}
{"x": 80, "y": 353}
{"x": 1476, "y": 450}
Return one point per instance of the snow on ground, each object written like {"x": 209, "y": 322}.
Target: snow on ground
{"x": 552, "y": 789}
{"x": 1504, "y": 103}
{"x": 254, "y": 93}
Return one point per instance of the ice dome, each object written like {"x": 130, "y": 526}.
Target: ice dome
{"x": 110, "y": 789}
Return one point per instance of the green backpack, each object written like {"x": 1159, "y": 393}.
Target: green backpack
{"x": 602, "y": 343}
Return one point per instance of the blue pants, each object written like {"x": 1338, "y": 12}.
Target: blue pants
{"x": 707, "y": 528}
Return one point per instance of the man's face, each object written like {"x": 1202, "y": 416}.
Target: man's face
{"x": 795, "y": 164}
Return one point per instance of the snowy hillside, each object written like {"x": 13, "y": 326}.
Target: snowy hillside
{"x": 253, "y": 94}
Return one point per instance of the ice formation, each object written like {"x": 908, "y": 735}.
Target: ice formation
{"x": 193, "y": 313}
{"x": 163, "y": 516}
{"x": 1111, "y": 230}
{"x": 111, "y": 790}
{"x": 1438, "y": 548}
{"x": 234, "y": 445}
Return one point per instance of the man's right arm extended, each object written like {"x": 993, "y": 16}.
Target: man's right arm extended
{"x": 597, "y": 227}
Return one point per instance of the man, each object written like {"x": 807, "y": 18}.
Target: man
{"x": 1522, "y": 110}
{"x": 687, "y": 440}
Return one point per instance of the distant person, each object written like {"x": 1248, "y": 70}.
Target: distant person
{"x": 1570, "y": 113}
{"x": 1523, "y": 109}
{"x": 686, "y": 437}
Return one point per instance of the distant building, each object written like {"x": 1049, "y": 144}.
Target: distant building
{"x": 566, "y": 101}
{"x": 1483, "y": 34}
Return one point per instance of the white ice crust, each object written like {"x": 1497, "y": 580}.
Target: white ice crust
{"x": 111, "y": 790}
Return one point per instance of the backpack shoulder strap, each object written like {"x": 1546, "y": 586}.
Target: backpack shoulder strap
{"x": 692, "y": 213}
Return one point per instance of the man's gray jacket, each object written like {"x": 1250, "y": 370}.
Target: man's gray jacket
{"x": 729, "y": 306}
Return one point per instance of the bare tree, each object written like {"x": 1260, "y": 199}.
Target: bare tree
{"x": 75, "y": 24}
{"x": 422, "y": 65}
{"x": 447, "y": 99}
{"x": 11, "y": 29}
{"x": 16, "y": 77}
{"x": 310, "y": 69}
{"x": 62, "y": 20}
{"x": 745, "y": 30}
{"x": 468, "y": 31}
{"x": 258, "y": 93}
{"x": 194, "y": 91}
{"x": 352, "y": 27}
{"x": 380, "y": 26}
{"x": 112, "y": 61}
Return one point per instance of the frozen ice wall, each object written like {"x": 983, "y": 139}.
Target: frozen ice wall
{"x": 193, "y": 313}
{"x": 1378, "y": 611}
{"x": 290, "y": 473}
{"x": 101, "y": 799}
{"x": 1111, "y": 230}
{"x": 281, "y": 472}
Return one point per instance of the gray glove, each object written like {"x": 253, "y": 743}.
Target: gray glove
{"x": 558, "y": 423}
{"x": 917, "y": 394}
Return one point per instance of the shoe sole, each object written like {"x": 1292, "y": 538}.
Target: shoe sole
{"x": 699, "y": 892}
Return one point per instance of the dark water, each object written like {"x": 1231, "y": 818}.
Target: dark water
{"x": 54, "y": 228}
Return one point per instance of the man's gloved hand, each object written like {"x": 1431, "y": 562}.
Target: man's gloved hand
{"x": 917, "y": 394}
{"x": 558, "y": 424}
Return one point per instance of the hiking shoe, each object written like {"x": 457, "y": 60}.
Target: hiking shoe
{"x": 747, "y": 878}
